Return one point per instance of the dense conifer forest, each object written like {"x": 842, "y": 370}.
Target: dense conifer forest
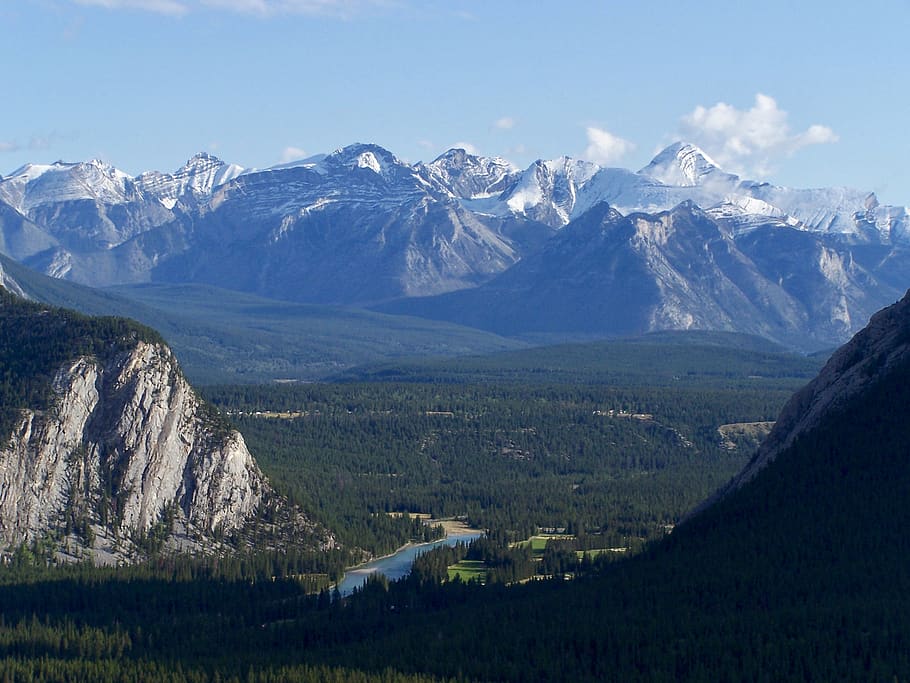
{"x": 621, "y": 462}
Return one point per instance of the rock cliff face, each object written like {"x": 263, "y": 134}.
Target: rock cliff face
{"x": 877, "y": 351}
{"x": 608, "y": 274}
{"x": 124, "y": 446}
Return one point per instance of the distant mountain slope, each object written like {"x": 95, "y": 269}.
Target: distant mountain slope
{"x": 222, "y": 336}
{"x": 610, "y": 274}
{"x": 231, "y": 337}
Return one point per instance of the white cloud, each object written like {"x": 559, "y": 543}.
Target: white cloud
{"x": 172, "y": 7}
{"x": 604, "y": 147}
{"x": 505, "y": 123}
{"x": 467, "y": 147}
{"x": 289, "y": 154}
{"x": 749, "y": 141}
{"x": 8, "y": 147}
{"x": 336, "y": 8}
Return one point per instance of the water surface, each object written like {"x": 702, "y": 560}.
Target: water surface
{"x": 398, "y": 565}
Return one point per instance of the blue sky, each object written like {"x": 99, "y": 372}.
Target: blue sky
{"x": 802, "y": 93}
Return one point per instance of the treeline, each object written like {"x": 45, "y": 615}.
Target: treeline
{"x": 36, "y": 340}
{"x": 511, "y": 458}
{"x": 673, "y": 358}
{"x": 309, "y": 569}
{"x": 52, "y": 670}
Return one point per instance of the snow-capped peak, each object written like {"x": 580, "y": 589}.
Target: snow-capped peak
{"x": 32, "y": 171}
{"x": 681, "y": 164}
{"x": 458, "y": 158}
{"x": 469, "y": 176}
{"x": 547, "y": 190}
{"x": 197, "y": 177}
{"x": 35, "y": 184}
{"x": 372, "y": 157}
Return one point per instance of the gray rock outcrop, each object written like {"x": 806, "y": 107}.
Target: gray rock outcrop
{"x": 126, "y": 445}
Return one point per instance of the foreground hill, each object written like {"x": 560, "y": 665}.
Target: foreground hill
{"x": 107, "y": 446}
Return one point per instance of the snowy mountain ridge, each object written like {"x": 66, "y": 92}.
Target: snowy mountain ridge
{"x": 549, "y": 191}
{"x": 360, "y": 226}
{"x": 197, "y": 178}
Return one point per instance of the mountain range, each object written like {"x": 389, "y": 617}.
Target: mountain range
{"x": 563, "y": 247}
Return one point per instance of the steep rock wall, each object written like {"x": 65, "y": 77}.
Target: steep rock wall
{"x": 126, "y": 442}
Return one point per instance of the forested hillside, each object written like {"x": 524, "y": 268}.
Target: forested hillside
{"x": 622, "y": 462}
{"x": 36, "y": 340}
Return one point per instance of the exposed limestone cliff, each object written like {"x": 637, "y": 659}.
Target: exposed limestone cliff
{"x": 125, "y": 445}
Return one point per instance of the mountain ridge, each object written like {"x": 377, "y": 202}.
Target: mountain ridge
{"x": 613, "y": 274}
{"x": 361, "y": 227}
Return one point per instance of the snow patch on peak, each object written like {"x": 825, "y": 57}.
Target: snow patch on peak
{"x": 369, "y": 160}
{"x": 681, "y": 164}
{"x": 314, "y": 163}
{"x": 372, "y": 157}
{"x": 197, "y": 177}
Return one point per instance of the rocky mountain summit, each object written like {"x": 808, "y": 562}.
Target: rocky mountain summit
{"x": 362, "y": 227}
{"x": 109, "y": 449}
{"x": 606, "y": 273}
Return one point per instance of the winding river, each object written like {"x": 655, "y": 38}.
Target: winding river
{"x": 399, "y": 564}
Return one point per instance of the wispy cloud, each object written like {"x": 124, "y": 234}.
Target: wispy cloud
{"x": 171, "y": 7}
{"x": 604, "y": 147}
{"x": 34, "y": 143}
{"x": 332, "y": 8}
{"x": 749, "y": 141}
{"x": 505, "y": 123}
{"x": 289, "y": 154}
{"x": 467, "y": 147}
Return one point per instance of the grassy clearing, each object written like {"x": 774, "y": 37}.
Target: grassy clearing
{"x": 539, "y": 542}
{"x": 469, "y": 570}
